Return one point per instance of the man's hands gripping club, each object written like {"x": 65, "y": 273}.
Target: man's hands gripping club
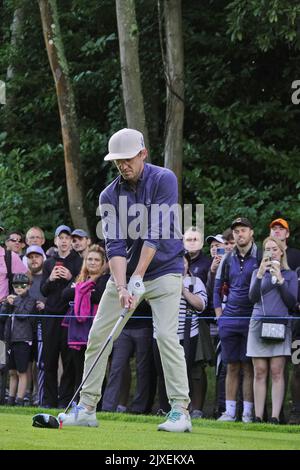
{"x": 129, "y": 294}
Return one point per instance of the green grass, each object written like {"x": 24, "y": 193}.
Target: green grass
{"x": 131, "y": 432}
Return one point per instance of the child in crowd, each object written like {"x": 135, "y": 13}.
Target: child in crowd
{"x": 18, "y": 334}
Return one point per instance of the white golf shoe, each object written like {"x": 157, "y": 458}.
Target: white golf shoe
{"x": 226, "y": 417}
{"x": 79, "y": 416}
{"x": 247, "y": 418}
{"x": 178, "y": 420}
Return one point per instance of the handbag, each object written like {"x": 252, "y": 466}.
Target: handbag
{"x": 270, "y": 330}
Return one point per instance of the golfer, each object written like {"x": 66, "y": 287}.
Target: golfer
{"x": 145, "y": 252}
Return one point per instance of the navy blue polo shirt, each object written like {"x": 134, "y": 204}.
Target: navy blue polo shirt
{"x": 144, "y": 214}
{"x": 240, "y": 273}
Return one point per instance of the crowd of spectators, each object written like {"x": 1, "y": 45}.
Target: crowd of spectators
{"x": 48, "y": 301}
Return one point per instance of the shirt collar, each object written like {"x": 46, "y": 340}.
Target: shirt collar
{"x": 251, "y": 252}
{"x": 141, "y": 178}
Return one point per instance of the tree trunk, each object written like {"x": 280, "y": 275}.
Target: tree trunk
{"x": 174, "y": 72}
{"x": 2, "y": 92}
{"x": 66, "y": 105}
{"x": 130, "y": 67}
{"x": 12, "y": 69}
{"x": 16, "y": 33}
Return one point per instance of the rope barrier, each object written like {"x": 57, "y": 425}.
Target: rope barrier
{"x": 265, "y": 317}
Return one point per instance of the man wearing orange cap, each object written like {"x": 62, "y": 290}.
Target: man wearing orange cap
{"x": 279, "y": 228}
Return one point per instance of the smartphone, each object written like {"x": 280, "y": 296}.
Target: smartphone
{"x": 220, "y": 251}
{"x": 59, "y": 263}
{"x": 267, "y": 256}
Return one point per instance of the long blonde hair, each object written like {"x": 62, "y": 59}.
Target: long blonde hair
{"x": 84, "y": 274}
{"x": 283, "y": 259}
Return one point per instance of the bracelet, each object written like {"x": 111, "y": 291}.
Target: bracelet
{"x": 120, "y": 287}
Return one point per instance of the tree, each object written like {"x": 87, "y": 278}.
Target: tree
{"x": 16, "y": 30}
{"x": 16, "y": 34}
{"x": 174, "y": 75}
{"x": 241, "y": 129}
{"x": 66, "y": 104}
{"x": 274, "y": 21}
{"x": 130, "y": 67}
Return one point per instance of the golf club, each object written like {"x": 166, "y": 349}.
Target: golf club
{"x": 44, "y": 420}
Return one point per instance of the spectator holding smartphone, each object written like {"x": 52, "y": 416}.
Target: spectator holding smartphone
{"x": 58, "y": 271}
{"x": 217, "y": 250}
{"x": 273, "y": 289}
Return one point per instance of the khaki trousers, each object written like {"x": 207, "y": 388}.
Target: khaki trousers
{"x": 163, "y": 295}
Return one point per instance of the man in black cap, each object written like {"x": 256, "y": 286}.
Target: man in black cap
{"x": 80, "y": 242}
{"x": 234, "y": 273}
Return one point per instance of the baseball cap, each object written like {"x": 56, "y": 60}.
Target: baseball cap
{"x": 124, "y": 144}
{"x": 218, "y": 238}
{"x": 241, "y": 221}
{"x": 281, "y": 222}
{"x": 35, "y": 249}
{"x": 62, "y": 228}
{"x": 21, "y": 279}
{"x": 80, "y": 233}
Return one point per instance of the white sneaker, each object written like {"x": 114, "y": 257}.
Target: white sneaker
{"x": 79, "y": 416}
{"x": 177, "y": 421}
{"x": 226, "y": 417}
{"x": 247, "y": 418}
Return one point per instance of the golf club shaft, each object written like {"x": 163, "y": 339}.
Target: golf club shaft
{"x": 109, "y": 338}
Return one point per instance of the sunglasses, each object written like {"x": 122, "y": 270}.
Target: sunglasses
{"x": 20, "y": 286}
{"x": 15, "y": 240}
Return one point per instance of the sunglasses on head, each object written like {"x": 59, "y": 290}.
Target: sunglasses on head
{"x": 20, "y": 286}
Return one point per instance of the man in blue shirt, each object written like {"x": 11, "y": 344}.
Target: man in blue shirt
{"x": 145, "y": 252}
{"x": 233, "y": 319}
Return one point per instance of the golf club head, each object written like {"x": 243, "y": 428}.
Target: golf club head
{"x": 43, "y": 420}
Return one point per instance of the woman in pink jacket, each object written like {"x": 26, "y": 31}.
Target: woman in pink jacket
{"x": 84, "y": 296}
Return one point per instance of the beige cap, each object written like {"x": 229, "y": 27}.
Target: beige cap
{"x": 124, "y": 144}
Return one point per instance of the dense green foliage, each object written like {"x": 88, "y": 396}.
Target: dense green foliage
{"x": 241, "y": 138}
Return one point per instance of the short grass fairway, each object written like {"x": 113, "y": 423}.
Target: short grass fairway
{"x": 130, "y": 432}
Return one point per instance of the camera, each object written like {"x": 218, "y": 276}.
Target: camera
{"x": 220, "y": 251}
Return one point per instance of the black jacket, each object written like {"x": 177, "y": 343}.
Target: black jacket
{"x": 200, "y": 266}
{"x": 18, "y": 326}
{"x": 52, "y": 290}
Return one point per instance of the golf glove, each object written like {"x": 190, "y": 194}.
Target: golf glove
{"x": 136, "y": 286}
